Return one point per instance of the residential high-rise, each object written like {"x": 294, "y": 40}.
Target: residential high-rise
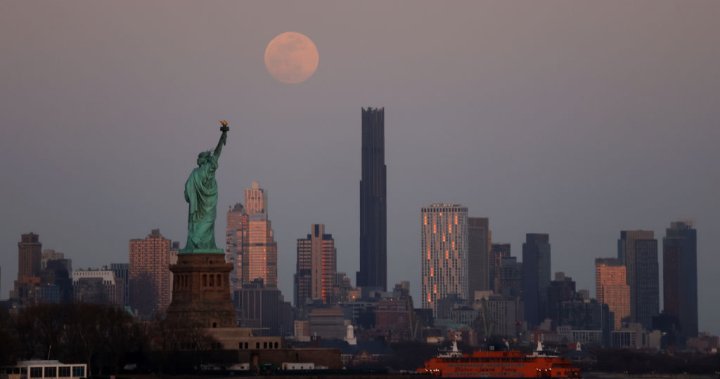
{"x": 480, "y": 268}
{"x": 444, "y": 246}
{"x": 149, "y": 273}
{"x": 680, "y": 298}
{"x": 250, "y": 244}
{"x": 536, "y": 277}
{"x": 373, "y": 203}
{"x": 316, "y": 269}
{"x": 611, "y": 288}
{"x": 638, "y": 249}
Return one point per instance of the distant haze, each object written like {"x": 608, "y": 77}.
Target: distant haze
{"x": 576, "y": 119}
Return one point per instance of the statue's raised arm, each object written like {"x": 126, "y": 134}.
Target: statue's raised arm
{"x": 223, "y": 138}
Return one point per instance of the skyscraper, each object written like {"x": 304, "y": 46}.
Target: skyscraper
{"x": 479, "y": 263}
{"x": 611, "y": 288}
{"x": 444, "y": 246}
{"x": 236, "y": 233}
{"x": 149, "y": 273}
{"x": 638, "y": 250}
{"x": 560, "y": 291}
{"x": 498, "y": 252}
{"x": 316, "y": 269}
{"x": 28, "y": 279}
{"x": 680, "y": 297}
{"x": 121, "y": 271}
{"x": 29, "y": 255}
{"x": 373, "y": 207}
{"x": 250, "y": 243}
{"x": 536, "y": 276}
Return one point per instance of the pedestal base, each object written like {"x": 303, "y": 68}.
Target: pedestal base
{"x": 201, "y": 291}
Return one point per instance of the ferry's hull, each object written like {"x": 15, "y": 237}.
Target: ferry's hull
{"x": 500, "y": 365}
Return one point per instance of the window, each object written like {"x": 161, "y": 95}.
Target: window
{"x": 51, "y": 372}
{"x": 36, "y": 372}
{"x": 64, "y": 371}
{"x": 78, "y": 371}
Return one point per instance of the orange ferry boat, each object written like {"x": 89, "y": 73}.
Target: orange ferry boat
{"x": 499, "y": 364}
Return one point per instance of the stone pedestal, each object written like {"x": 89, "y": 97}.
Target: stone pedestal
{"x": 201, "y": 291}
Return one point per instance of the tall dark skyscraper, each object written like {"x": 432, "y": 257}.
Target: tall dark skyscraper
{"x": 479, "y": 263}
{"x": 373, "y": 206}
{"x": 680, "y": 277}
{"x": 536, "y": 277}
{"x": 639, "y": 250}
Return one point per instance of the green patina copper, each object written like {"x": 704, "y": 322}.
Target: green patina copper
{"x": 201, "y": 194}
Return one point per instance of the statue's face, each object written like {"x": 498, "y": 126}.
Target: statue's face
{"x": 201, "y": 159}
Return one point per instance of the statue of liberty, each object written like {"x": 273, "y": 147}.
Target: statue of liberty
{"x": 201, "y": 194}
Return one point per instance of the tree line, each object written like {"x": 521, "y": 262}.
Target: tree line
{"x": 106, "y": 338}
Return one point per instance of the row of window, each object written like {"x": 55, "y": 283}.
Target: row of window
{"x": 208, "y": 280}
{"x": 57, "y": 372}
{"x": 265, "y": 345}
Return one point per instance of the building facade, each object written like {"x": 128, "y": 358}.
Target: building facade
{"x": 263, "y": 308}
{"x": 638, "y": 249}
{"x": 680, "y": 298}
{"x": 316, "y": 268}
{"x": 98, "y": 286}
{"x": 535, "y": 277}
{"x": 250, "y": 244}
{"x": 611, "y": 288}
{"x": 444, "y": 245}
{"x": 480, "y": 268}
{"x": 373, "y": 203}
{"x": 149, "y": 273}
{"x": 498, "y": 251}
{"x": 236, "y": 233}
{"x": 28, "y": 277}
{"x": 121, "y": 271}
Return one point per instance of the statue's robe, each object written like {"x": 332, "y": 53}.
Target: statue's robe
{"x": 201, "y": 193}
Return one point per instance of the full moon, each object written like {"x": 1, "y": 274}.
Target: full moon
{"x": 291, "y": 57}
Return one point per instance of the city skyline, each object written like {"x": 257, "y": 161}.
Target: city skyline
{"x": 545, "y": 120}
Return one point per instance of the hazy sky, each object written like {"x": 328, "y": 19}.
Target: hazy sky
{"x": 577, "y": 119}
